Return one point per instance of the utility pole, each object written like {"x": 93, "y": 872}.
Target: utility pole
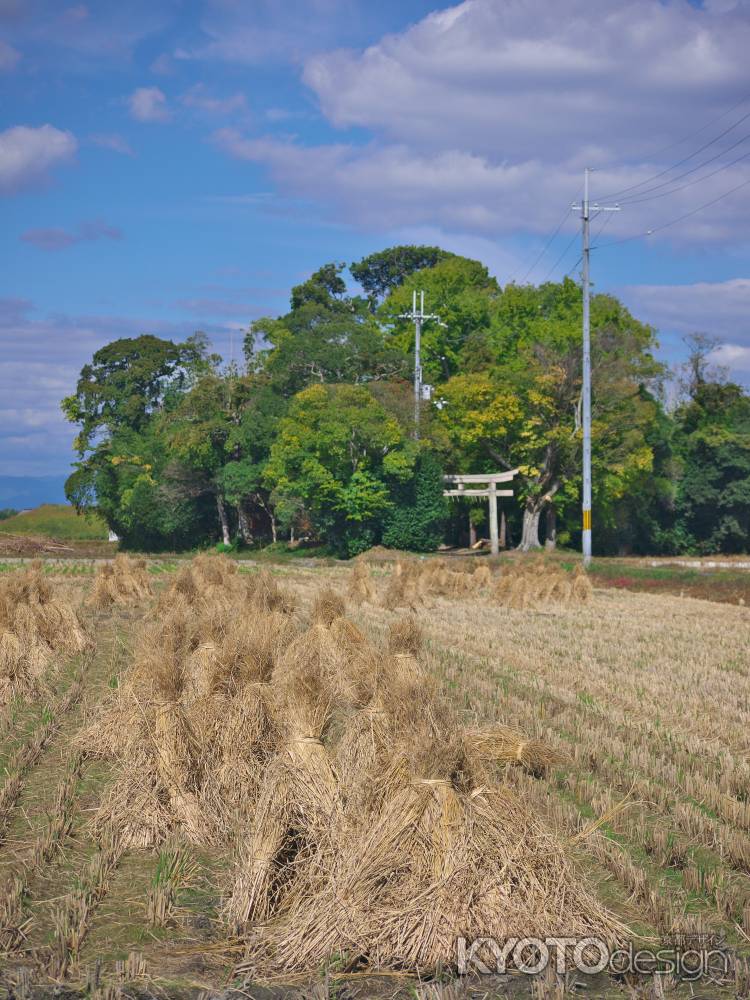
{"x": 585, "y": 209}
{"x": 418, "y": 316}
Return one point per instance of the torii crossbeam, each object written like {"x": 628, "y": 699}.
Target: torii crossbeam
{"x": 491, "y": 492}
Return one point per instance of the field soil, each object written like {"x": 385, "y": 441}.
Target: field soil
{"x": 644, "y": 689}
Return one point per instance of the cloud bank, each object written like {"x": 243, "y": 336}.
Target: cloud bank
{"x": 28, "y": 155}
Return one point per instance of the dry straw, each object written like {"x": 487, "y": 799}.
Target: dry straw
{"x": 124, "y": 581}
{"x": 36, "y": 627}
{"x": 365, "y": 821}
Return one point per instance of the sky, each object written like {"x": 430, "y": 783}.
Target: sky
{"x": 168, "y": 166}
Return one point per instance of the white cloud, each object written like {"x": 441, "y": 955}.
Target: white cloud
{"x": 149, "y": 104}
{"x": 519, "y": 77}
{"x": 59, "y": 239}
{"x": 267, "y": 31}
{"x": 733, "y": 356}
{"x": 199, "y": 98}
{"x": 162, "y": 65}
{"x": 28, "y": 154}
{"x": 112, "y": 141}
{"x": 720, "y": 308}
{"x": 8, "y": 57}
{"x": 482, "y": 116}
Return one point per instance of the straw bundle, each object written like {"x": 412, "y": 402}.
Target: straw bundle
{"x": 266, "y": 595}
{"x": 361, "y": 585}
{"x": 443, "y": 859}
{"x": 299, "y": 802}
{"x": 207, "y": 579}
{"x": 538, "y": 583}
{"x": 506, "y": 745}
{"x": 583, "y": 589}
{"x": 197, "y": 713}
{"x": 125, "y": 581}
{"x": 327, "y": 606}
{"x": 403, "y": 588}
{"x": 36, "y": 626}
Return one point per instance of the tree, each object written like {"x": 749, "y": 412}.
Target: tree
{"x": 323, "y": 288}
{"x": 521, "y": 410}
{"x": 129, "y": 380}
{"x": 462, "y": 293}
{"x": 128, "y": 384}
{"x": 196, "y": 432}
{"x": 416, "y": 521}
{"x": 712, "y": 440}
{"x": 325, "y": 337}
{"x": 380, "y": 273}
{"x": 336, "y": 452}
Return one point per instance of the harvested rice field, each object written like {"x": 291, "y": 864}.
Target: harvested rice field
{"x": 375, "y": 779}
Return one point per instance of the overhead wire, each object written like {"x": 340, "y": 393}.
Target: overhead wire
{"x": 679, "y": 163}
{"x": 686, "y": 173}
{"x": 672, "y": 222}
{"x": 546, "y": 246}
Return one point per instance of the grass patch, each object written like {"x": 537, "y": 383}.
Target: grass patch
{"x": 57, "y": 520}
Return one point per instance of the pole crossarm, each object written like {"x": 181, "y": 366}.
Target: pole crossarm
{"x": 419, "y": 316}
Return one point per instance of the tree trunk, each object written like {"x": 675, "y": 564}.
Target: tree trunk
{"x": 291, "y": 534}
{"x": 223, "y": 519}
{"x": 472, "y": 533}
{"x": 242, "y": 519}
{"x": 551, "y": 539}
{"x": 273, "y": 526}
{"x": 530, "y": 530}
{"x": 503, "y": 530}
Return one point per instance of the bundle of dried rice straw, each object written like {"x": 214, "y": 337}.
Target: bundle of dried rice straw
{"x": 124, "y": 581}
{"x": 36, "y": 627}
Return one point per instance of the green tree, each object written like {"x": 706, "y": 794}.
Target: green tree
{"x": 379, "y": 273}
{"x": 129, "y": 380}
{"x": 462, "y": 293}
{"x": 416, "y": 521}
{"x": 336, "y": 452}
{"x": 712, "y": 441}
{"x": 128, "y": 384}
{"x": 521, "y": 409}
{"x": 326, "y": 337}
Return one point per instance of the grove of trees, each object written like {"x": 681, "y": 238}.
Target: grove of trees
{"x": 312, "y": 437}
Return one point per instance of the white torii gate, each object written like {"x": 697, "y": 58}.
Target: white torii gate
{"x": 491, "y": 492}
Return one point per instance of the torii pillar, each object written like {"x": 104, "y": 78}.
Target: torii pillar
{"x": 490, "y": 491}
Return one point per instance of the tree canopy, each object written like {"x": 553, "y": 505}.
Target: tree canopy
{"x": 312, "y": 437}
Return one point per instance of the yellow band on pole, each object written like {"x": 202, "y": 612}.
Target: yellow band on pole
{"x": 587, "y": 520}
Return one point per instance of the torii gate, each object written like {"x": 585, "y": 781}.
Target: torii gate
{"x": 491, "y": 492}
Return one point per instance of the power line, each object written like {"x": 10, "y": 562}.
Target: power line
{"x": 705, "y": 177}
{"x": 562, "y": 257}
{"x": 708, "y": 124}
{"x": 542, "y": 252}
{"x": 568, "y": 273}
{"x": 546, "y": 246}
{"x": 686, "y": 173}
{"x": 679, "y": 163}
{"x": 672, "y": 222}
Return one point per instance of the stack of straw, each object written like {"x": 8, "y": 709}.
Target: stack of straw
{"x": 36, "y": 627}
{"x": 392, "y": 833}
{"x": 124, "y": 581}
{"x": 365, "y": 820}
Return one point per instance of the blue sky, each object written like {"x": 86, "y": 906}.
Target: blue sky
{"x": 169, "y": 166}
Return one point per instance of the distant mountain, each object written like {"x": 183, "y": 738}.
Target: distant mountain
{"x": 31, "y": 491}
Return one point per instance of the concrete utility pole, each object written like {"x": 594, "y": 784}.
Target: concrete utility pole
{"x": 585, "y": 209}
{"x": 418, "y": 316}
